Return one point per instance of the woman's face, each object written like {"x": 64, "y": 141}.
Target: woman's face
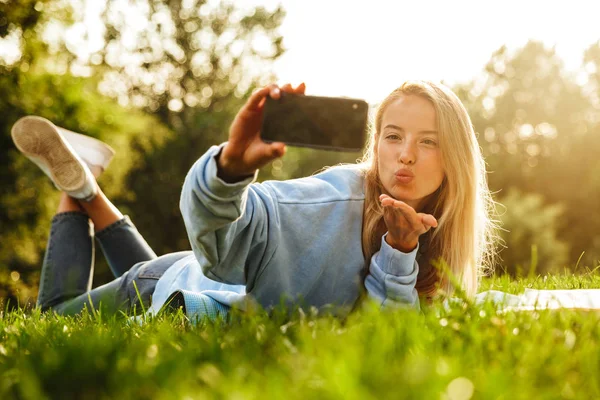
{"x": 409, "y": 157}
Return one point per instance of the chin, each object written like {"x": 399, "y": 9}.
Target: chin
{"x": 401, "y": 193}
{"x": 408, "y": 198}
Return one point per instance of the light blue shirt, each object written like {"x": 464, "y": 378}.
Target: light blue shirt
{"x": 296, "y": 241}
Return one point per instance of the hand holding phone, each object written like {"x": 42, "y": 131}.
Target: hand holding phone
{"x": 245, "y": 152}
{"x": 331, "y": 123}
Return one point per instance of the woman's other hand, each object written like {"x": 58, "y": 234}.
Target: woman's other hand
{"x": 404, "y": 224}
{"x": 245, "y": 152}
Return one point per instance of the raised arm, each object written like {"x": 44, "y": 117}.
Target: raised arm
{"x": 245, "y": 151}
{"x": 226, "y": 218}
{"x": 393, "y": 269}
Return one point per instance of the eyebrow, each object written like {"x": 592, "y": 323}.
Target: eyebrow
{"x": 402, "y": 129}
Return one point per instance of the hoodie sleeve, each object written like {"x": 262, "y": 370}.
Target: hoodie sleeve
{"x": 392, "y": 277}
{"x": 227, "y": 223}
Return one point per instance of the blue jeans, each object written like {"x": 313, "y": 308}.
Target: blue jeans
{"x": 66, "y": 279}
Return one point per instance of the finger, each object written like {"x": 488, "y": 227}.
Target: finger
{"x": 278, "y": 149}
{"x": 428, "y": 220}
{"x": 387, "y": 202}
{"x": 269, "y": 152}
{"x": 300, "y": 89}
{"x": 287, "y": 88}
{"x": 257, "y": 101}
{"x": 257, "y": 97}
{"x": 390, "y": 201}
{"x": 262, "y": 103}
{"x": 274, "y": 92}
{"x": 399, "y": 206}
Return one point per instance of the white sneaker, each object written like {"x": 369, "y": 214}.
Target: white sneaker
{"x": 96, "y": 154}
{"x": 53, "y": 149}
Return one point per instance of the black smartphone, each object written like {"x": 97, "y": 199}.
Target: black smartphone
{"x": 331, "y": 123}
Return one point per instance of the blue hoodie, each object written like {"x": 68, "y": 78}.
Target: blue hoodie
{"x": 297, "y": 240}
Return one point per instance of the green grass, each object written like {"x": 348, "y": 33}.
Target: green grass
{"x": 457, "y": 353}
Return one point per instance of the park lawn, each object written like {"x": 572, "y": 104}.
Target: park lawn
{"x": 459, "y": 352}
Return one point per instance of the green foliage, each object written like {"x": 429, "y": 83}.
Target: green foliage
{"x": 154, "y": 152}
{"x": 193, "y": 57}
{"x": 459, "y": 352}
{"x": 24, "y": 15}
{"x": 540, "y": 133}
{"x": 28, "y": 199}
{"x": 530, "y": 234}
{"x": 195, "y": 71}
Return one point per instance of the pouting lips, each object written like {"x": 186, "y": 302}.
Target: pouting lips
{"x": 404, "y": 175}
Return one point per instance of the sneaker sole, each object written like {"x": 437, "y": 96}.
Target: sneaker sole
{"x": 39, "y": 139}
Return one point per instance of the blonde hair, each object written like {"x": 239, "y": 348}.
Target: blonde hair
{"x": 462, "y": 204}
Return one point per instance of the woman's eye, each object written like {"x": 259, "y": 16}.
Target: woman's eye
{"x": 429, "y": 142}
{"x": 393, "y": 136}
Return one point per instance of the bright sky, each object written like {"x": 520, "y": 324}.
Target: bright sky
{"x": 366, "y": 49}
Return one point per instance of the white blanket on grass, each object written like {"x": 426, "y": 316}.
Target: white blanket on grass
{"x": 531, "y": 299}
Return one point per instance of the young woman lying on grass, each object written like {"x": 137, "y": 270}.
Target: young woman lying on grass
{"x": 419, "y": 195}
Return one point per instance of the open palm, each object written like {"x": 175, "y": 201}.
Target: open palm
{"x": 404, "y": 224}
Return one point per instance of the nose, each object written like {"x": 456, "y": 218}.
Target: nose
{"x": 407, "y": 154}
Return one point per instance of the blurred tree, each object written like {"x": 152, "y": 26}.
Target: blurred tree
{"x": 27, "y": 198}
{"x": 192, "y": 63}
{"x": 186, "y": 57}
{"x": 591, "y": 61}
{"x": 530, "y": 234}
{"x": 589, "y": 145}
{"x": 22, "y": 16}
{"x": 537, "y": 133}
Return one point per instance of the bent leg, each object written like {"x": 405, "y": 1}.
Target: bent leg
{"x": 107, "y": 298}
{"x": 69, "y": 260}
{"x": 131, "y": 293}
{"x": 123, "y": 246}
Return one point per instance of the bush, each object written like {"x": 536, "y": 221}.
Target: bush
{"x": 530, "y": 234}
